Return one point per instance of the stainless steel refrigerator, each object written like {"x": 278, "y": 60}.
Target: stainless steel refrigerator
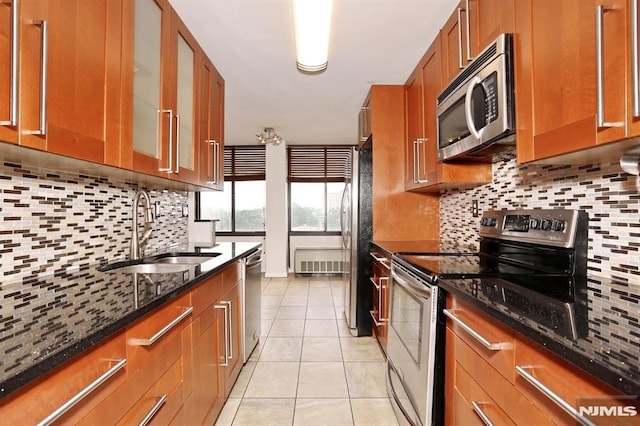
{"x": 357, "y": 232}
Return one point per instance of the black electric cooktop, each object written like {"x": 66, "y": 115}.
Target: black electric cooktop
{"x": 464, "y": 265}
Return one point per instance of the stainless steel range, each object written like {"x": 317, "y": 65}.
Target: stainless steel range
{"x": 532, "y": 261}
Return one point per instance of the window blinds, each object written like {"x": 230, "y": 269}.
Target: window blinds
{"x": 318, "y": 163}
{"x": 244, "y": 163}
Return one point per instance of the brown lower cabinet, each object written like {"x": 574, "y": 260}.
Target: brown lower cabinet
{"x": 381, "y": 263}
{"x": 176, "y": 365}
{"x": 486, "y": 379}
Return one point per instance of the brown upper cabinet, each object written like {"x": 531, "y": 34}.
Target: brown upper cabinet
{"x": 453, "y": 36}
{"x": 59, "y": 60}
{"x": 423, "y": 170}
{"x": 485, "y": 21}
{"x": 566, "y": 101}
{"x": 9, "y": 78}
{"x": 211, "y": 127}
{"x": 160, "y": 74}
{"x": 473, "y": 25}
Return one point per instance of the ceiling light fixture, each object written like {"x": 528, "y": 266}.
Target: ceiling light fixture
{"x": 269, "y": 135}
{"x": 312, "y": 22}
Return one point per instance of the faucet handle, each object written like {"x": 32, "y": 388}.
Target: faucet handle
{"x": 148, "y": 212}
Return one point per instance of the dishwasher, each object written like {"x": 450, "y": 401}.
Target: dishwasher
{"x": 251, "y": 306}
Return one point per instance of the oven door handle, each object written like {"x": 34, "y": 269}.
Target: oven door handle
{"x": 475, "y": 81}
{"x": 415, "y": 289}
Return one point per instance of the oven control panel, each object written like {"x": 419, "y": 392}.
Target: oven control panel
{"x": 556, "y": 227}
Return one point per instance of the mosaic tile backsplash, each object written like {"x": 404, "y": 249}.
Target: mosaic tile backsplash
{"x": 610, "y": 197}
{"x": 52, "y": 221}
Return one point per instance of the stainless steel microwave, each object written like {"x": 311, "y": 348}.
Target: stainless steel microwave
{"x": 476, "y": 111}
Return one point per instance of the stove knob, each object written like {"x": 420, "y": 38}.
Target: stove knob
{"x": 533, "y": 223}
{"x": 483, "y": 221}
{"x": 558, "y": 225}
{"x": 545, "y": 225}
{"x": 492, "y": 221}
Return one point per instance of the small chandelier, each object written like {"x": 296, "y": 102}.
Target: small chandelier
{"x": 269, "y": 135}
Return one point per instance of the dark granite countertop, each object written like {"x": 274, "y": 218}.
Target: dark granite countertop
{"x": 45, "y": 321}
{"x": 609, "y": 348}
{"x": 420, "y": 246}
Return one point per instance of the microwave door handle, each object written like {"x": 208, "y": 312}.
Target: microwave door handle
{"x": 467, "y": 108}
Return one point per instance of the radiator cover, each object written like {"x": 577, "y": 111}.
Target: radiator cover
{"x": 318, "y": 260}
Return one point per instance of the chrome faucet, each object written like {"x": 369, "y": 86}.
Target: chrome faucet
{"x": 136, "y": 242}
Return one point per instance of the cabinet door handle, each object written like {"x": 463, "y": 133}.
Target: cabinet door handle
{"x": 469, "y": 58}
{"x": 230, "y": 330}
{"x": 164, "y": 330}
{"x": 170, "y": 162}
{"x": 477, "y": 407}
{"x": 522, "y": 371}
{"x": 44, "y": 39}
{"x": 635, "y": 62}
{"x": 215, "y": 150}
{"x": 416, "y": 161}
{"x": 177, "y": 116}
{"x": 382, "y": 287}
{"x": 154, "y": 410}
{"x": 226, "y": 333}
{"x": 379, "y": 288}
{"x": 83, "y": 393}
{"x": 492, "y": 346}
{"x": 600, "y": 121}
{"x": 13, "y": 96}
{"x": 460, "y": 64}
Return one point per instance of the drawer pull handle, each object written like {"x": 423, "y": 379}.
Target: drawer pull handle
{"x": 379, "y": 323}
{"x": 161, "y": 400}
{"x": 522, "y": 371}
{"x": 375, "y": 284}
{"x": 153, "y": 339}
{"x": 381, "y": 260}
{"x": 492, "y": 346}
{"x": 83, "y": 393}
{"x": 477, "y": 407}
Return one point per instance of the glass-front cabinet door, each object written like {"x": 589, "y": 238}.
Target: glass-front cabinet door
{"x": 187, "y": 59}
{"x": 211, "y": 171}
{"x": 152, "y": 119}
{"x": 146, "y": 78}
{"x": 163, "y": 89}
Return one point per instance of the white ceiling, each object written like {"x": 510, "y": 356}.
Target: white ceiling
{"x": 251, "y": 43}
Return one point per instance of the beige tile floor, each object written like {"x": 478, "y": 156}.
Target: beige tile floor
{"x": 307, "y": 369}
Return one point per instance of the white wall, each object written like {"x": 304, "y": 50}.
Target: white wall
{"x": 276, "y": 226}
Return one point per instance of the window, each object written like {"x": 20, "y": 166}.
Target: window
{"x": 240, "y": 207}
{"x": 316, "y": 181}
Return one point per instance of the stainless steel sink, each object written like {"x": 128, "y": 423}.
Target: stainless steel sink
{"x": 188, "y": 259}
{"x": 150, "y": 268}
